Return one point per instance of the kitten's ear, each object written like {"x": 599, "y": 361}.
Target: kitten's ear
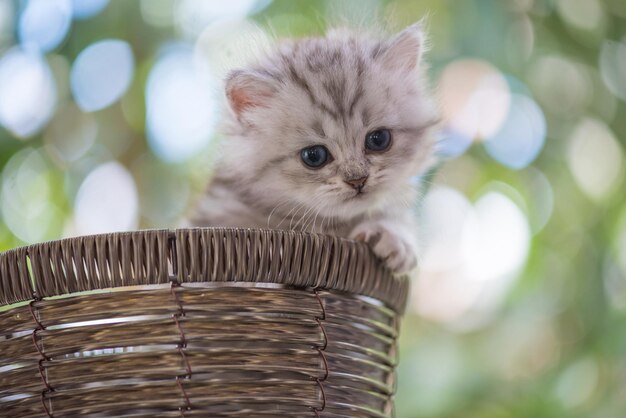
{"x": 406, "y": 48}
{"x": 245, "y": 89}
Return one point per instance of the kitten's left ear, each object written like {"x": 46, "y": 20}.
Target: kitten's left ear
{"x": 405, "y": 49}
{"x": 246, "y": 89}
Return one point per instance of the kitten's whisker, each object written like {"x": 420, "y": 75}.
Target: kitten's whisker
{"x": 293, "y": 217}
{"x": 315, "y": 196}
{"x": 282, "y": 202}
{"x": 331, "y": 218}
{"x": 325, "y": 219}
{"x": 296, "y": 208}
{"x": 318, "y": 207}
{"x": 326, "y": 88}
{"x": 316, "y": 203}
{"x": 302, "y": 219}
{"x": 319, "y": 212}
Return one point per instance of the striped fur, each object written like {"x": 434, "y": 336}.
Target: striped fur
{"x": 330, "y": 91}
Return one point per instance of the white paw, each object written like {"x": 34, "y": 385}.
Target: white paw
{"x": 393, "y": 247}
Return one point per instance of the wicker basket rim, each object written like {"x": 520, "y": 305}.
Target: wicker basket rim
{"x": 292, "y": 258}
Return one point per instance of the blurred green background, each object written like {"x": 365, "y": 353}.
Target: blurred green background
{"x": 108, "y": 112}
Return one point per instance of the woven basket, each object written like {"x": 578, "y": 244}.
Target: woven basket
{"x": 198, "y": 322}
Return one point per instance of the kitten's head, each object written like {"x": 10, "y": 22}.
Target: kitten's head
{"x": 335, "y": 124}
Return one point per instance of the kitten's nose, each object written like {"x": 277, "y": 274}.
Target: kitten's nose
{"x": 357, "y": 184}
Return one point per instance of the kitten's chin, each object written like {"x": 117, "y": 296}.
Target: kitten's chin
{"x": 355, "y": 204}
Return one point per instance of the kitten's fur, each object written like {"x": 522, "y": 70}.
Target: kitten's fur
{"x": 330, "y": 91}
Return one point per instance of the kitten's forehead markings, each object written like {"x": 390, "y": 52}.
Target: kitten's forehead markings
{"x": 337, "y": 84}
{"x": 318, "y": 128}
{"x": 302, "y": 83}
{"x": 334, "y": 86}
{"x": 359, "y": 91}
{"x": 365, "y": 116}
{"x": 358, "y": 95}
{"x": 342, "y": 91}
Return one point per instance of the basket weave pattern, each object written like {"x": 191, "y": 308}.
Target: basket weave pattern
{"x": 200, "y": 322}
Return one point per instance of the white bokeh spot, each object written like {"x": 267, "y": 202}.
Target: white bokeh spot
{"x": 473, "y": 254}
{"x": 521, "y": 137}
{"x": 44, "y": 24}
{"x": 101, "y": 74}
{"x": 28, "y": 92}
{"x": 595, "y": 159}
{"x": 107, "y": 201}
{"x": 180, "y": 108}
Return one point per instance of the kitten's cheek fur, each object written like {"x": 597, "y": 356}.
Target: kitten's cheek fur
{"x": 390, "y": 242}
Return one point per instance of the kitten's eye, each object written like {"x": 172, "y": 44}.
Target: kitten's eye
{"x": 378, "y": 140}
{"x": 315, "y": 156}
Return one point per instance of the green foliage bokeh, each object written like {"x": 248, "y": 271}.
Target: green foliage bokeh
{"x": 555, "y": 346}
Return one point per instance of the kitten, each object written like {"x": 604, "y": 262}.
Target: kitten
{"x": 326, "y": 135}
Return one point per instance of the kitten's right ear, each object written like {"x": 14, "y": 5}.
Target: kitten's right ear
{"x": 406, "y": 49}
{"x": 246, "y": 89}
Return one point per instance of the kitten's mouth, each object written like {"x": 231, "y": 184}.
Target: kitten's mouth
{"x": 359, "y": 194}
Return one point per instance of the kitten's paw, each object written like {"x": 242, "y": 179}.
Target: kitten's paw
{"x": 394, "y": 249}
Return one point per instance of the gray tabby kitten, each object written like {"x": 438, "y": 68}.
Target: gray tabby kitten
{"x": 326, "y": 135}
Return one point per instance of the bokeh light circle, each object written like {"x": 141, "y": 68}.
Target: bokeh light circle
{"x": 26, "y": 197}
{"x": 106, "y": 201}
{"x": 70, "y": 135}
{"x": 620, "y": 244}
{"x": 446, "y": 211}
{"x": 473, "y": 254}
{"x": 475, "y": 98}
{"x": 613, "y": 67}
{"x": 180, "y": 108}
{"x": 85, "y": 9}
{"x": 224, "y": 45}
{"x": 577, "y": 384}
{"x": 451, "y": 144}
{"x": 101, "y": 74}
{"x": 496, "y": 240}
{"x": 540, "y": 188}
{"x": 582, "y": 14}
{"x": 522, "y": 135}
{"x": 194, "y": 15}
{"x": 595, "y": 158}
{"x": 561, "y": 85}
{"x": 28, "y": 92}
{"x": 44, "y": 24}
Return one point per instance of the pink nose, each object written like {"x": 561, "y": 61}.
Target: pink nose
{"x": 357, "y": 184}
